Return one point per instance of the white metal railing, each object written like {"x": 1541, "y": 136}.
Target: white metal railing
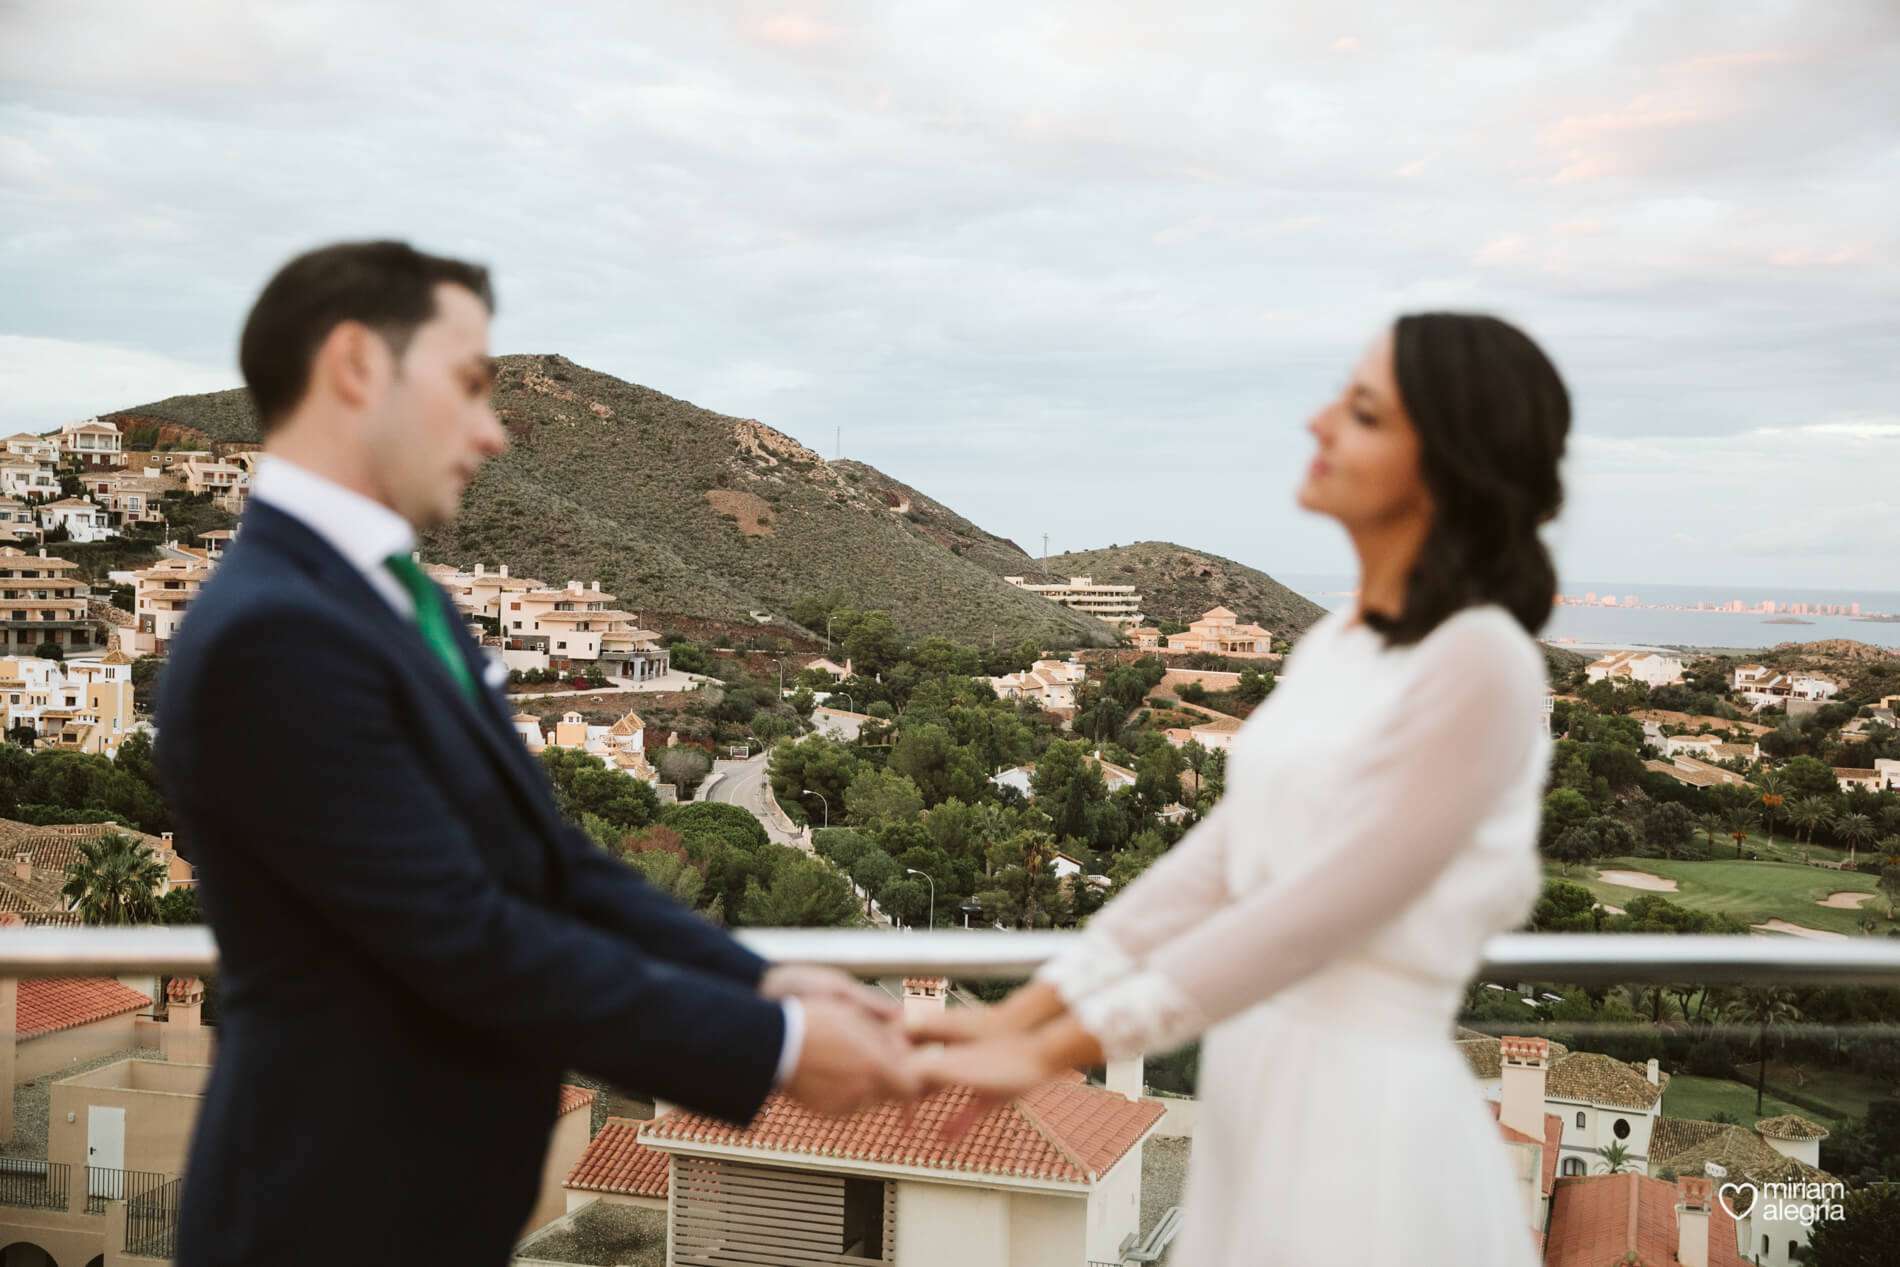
{"x": 1572, "y": 958}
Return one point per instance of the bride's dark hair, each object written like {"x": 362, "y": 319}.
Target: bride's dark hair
{"x": 1492, "y": 415}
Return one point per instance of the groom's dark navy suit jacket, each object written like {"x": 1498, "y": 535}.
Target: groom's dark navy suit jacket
{"x": 414, "y": 945}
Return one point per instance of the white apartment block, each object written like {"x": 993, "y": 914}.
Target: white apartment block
{"x": 1119, "y": 605}
{"x": 27, "y": 479}
{"x": 580, "y": 625}
{"x": 81, "y": 705}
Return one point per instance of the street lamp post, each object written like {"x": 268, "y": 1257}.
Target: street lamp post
{"x": 821, "y": 796}
{"x": 933, "y": 894}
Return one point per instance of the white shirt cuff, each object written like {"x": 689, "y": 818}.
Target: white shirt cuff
{"x": 794, "y": 1045}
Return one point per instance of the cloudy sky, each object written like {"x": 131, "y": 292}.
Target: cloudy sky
{"x": 1081, "y": 269}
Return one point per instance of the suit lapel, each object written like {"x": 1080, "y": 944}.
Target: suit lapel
{"x": 479, "y": 716}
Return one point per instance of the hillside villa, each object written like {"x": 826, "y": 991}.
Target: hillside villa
{"x": 1762, "y": 686}
{"x": 1651, "y": 668}
{"x": 1217, "y": 632}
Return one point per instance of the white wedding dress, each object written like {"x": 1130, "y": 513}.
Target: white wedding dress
{"x": 1319, "y": 927}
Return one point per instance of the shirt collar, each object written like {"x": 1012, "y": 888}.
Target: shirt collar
{"x": 363, "y": 531}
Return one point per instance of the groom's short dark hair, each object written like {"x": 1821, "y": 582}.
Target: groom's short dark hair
{"x": 388, "y": 286}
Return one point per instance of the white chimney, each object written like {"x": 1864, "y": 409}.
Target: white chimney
{"x": 1692, "y": 1221}
{"x": 924, "y": 998}
{"x": 478, "y": 569}
{"x": 1654, "y": 1072}
{"x": 597, "y": 587}
{"x": 504, "y": 570}
{"x": 1124, "y": 1077}
{"x": 1524, "y": 1064}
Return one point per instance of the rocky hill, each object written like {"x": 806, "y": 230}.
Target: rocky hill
{"x": 1178, "y": 584}
{"x": 681, "y": 510}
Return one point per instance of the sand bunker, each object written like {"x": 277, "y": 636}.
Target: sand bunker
{"x": 1795, "y": 930}
{"x": 1638, "y": 880}
{"x": 1613, "y": 910}
{"x": 1847, "y": 901}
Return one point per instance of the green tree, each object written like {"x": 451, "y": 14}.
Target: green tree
{"x": 1773, "y": 790}
{"x": 1863, "y": 1235}
{"x": 1769, "y": 1008}
{"x": 1890, "y": 889}
{"x": 1616, "y": 1158}
{"x": 882, "y": 796}
{"x": 800, "y": 892}
{"x": 114, "y": 881}
{"x": 685, "y": 766}
{"x": 1809, "y": 776}
{"x": 815, "y": 764}
{"x": 873, "y": 644}
{"x": 1854, "y": 830}
{"x": 1564, "y": 807}
{"x": 584, "y": 784}
{"x": 1809, "y": 812}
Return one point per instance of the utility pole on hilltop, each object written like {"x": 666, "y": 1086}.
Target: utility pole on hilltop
{"x": 838, "y": 445}
{"x": 1045, "y": 552}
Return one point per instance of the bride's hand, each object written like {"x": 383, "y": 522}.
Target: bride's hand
{"x": 1020, "y": 1013}
{"x": 996, "y": 1069}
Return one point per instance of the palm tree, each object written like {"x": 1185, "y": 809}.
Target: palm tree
{"x": 1710, "y": 824}
{"x": 1738, "y": 820}
{"x": 1615, "y": 1157}
{"x": 1773, "y": 788}
{"x": 114, "y": 880}
{"x": 1653, "y": 1003}
{"x": 1856, "y": 829}
{"x": 1810, "y": 812}
{"x": 1766, "y": 1007}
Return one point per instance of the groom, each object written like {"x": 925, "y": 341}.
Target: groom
{"x": 414, "y": 945}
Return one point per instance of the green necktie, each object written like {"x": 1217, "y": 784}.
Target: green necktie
{"x": 433, "y": 619}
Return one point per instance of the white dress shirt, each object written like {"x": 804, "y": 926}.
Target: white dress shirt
{"x": 366, "y": 533}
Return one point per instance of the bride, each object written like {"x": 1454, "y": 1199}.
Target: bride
{"x": 1380, "y": 821}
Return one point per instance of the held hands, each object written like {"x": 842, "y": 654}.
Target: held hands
{"x": 858, "y": 1051}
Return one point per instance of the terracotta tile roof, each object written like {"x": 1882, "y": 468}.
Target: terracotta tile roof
{"x": 1790, "y": 1126}
{"x": 47, "y": 1004}
{"x": 53, "y": 849}
{"x": 573, "y": 1097}
{"x": 1482, "y": 1053}
{"x": 1603, "y": 1219}
{"x": 1594, "y": 1078}
{"x": 1064, "y": 1130}
{"x": 616, "y": 1161}
{"x": 1672, "y": 1135}
{"x": 1746, "y": 1156}
{"x": 1553, "y": 1139}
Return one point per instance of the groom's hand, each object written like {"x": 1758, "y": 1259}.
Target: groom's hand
{"x": 849, "y": 1059}
{"x": 808, "y": 982}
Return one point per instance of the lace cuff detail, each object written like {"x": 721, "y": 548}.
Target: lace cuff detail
{"x": 1088, "y": 965}
{"x": 1145, "y": 1013}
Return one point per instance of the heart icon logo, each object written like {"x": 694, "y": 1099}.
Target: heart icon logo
{"x": 1721, "y": 1195}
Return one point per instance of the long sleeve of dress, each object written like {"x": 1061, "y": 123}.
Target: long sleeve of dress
{"x": 1181, "y": 886}
{"x": 1462, "y": 734}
